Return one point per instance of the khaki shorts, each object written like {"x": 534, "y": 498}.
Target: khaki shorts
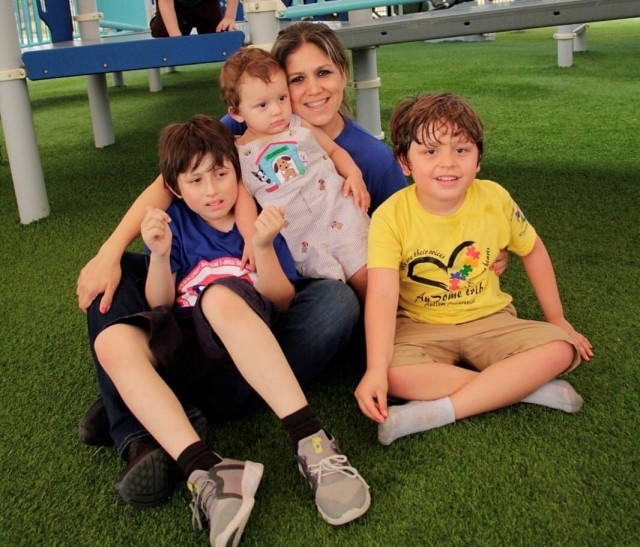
{"x": 478, "y": 343}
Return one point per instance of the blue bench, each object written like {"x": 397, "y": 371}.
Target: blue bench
{"x": 133, "y": 51}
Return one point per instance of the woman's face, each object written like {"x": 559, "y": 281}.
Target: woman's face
{"x": 316, "y": 87}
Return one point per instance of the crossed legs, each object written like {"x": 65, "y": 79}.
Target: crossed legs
{"x": 442, "y": 393}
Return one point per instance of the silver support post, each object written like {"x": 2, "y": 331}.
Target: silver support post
{"x": 262, "y": 21}
{"x": 565, "y": 36}
{"x": 366, "y": 81}
{"x": 103, "y": 133}
{"x": 580, "y": 41}
{"x": 366, "y": 84}
{"x": 17, "y": 124}
{"x": 155, "y": 81}
{"x": 117, "y": 79}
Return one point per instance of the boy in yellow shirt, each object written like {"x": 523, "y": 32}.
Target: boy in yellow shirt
{"x": 432, "y": 301}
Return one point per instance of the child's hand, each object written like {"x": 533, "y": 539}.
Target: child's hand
{"x": 499, "y": 265}
{"x": 155, "y": 231}
{"x": 356, "y": 186}
{"x": 584, "y": 346}
{"x": 371, "y": 395}
{"x": 227, "y": 23}
{"x": 268, "y": 225}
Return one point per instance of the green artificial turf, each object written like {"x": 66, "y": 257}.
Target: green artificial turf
{"x": 563, "y": 141}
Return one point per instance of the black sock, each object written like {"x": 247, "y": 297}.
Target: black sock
{"x": 301, "y": 424}
{"x": 197, "y": 456}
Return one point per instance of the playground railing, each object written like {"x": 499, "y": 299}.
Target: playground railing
{"x": 117, "y": 15}
{"x": 31, "y": 29}
{"x": 126, "y": 15}
{"x": 299, "y": 9}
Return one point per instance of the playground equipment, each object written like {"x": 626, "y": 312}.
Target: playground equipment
{"x": 570, "y": 38}
{"x": 91, "y": 55}
{"x": 361, "y": 34}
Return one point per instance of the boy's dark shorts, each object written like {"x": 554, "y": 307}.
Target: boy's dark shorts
{"x": 193, "y": 360}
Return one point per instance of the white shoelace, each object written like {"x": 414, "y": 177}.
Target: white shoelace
{"x": 196, "y": 505}
{"x": 333, "y": 464}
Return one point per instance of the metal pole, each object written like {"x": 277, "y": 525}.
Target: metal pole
{"x": 366, "y": 81}
{"x": 262, "y": 22}
{"x": 155, "y": 81}
{"x": 103, "y": 133}
{"x": 580, "y": 41}
{"x": 17, "y": 123}
{"x": 366, "y": 84}
{"x": 565, "y": 36}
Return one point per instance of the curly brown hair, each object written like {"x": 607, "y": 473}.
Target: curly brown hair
{"x": 416, "y": 119}
{"x": 253, "y": 62}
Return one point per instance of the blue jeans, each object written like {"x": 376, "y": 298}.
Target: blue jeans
{"x": 318, "y": 325}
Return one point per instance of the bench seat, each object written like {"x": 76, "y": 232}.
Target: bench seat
{"x": 132, "y": 51}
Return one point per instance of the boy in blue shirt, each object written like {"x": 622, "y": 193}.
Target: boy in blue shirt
{"x": 208, "y": 334}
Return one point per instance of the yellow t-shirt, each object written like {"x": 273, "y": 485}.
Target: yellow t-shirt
{"x": 443, "y": 261}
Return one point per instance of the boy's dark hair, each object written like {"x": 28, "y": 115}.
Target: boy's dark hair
{"x": 416, "y": 119}
{"x": 253, "y": 62}
{"x": 182, "y": 146}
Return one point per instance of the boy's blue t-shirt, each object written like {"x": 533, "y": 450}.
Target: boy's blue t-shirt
{"x": 200, "y": 254}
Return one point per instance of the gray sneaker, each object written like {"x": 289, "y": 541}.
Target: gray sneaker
{"x": 341, "y": 493}
{"x": 225, "y": 496}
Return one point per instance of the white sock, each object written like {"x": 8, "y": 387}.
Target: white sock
{"x": 556, "y": 394}
{"x": 415, "y": 416}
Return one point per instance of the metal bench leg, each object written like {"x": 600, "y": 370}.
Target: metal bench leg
{"x": 366, "y": 81}
{"x": 17, "y": 123}
{"x": 103, "y": 132}
{"x": 366, "y": 84}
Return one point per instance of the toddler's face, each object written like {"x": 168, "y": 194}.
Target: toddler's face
{"x": 264, "y": 107}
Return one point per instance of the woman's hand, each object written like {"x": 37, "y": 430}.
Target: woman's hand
{"x": 501, "y": 262}
{"x": 248, "y": 260}
{"x": 100, "y": 275}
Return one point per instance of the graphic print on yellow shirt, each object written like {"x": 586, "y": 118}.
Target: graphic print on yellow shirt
{"x": 443, "y": 262}
{"x": 458, "y": 268}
